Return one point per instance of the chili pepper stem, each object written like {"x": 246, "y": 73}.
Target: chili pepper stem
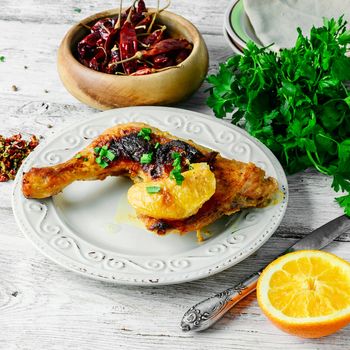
{"x": 84, "y": 25}
{"x": 137, "y": 56}
{"x": 163, "y": 8}
{"x": 105, "y": 28}
{"x": 140, "y": 27}
{"x": 142, "y": 44}
{"x": 117, "y": 25}
{"x": 156, "y": 14}
{"x": 162, "y": 29}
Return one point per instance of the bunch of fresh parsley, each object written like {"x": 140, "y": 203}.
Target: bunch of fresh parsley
{"x": 297, "y": 102}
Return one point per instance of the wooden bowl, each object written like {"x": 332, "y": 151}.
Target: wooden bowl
{"x": 104, "y": 91}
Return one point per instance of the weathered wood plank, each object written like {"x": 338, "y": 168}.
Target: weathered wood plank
{"x": 206, "y": 15}
{"x": 45, "y": 302}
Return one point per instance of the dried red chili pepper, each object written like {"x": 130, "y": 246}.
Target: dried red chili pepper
{"x": 182, "y": 55}
{"x": 99, "y": 61}
{"x": 164, "y": 46}
{"x": 167, "y": 45}
{"x": 148, "y": 70}
{"x": 141, "y": 7}
{"x": 87, "y": 46}
{"x": 154, "y": 37}
{"x": 103, "y": 27}
{"x": 128, "y": 45}
{"x": 135, "y": 16}
{"x": 162, "y": 61}
{"x": 144, "y": 23}
{"x": 112, "y": 66}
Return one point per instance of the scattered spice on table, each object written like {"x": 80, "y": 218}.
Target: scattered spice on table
{"x": 132, "y": 43}
{"x": 13, "y": 150}
{"x": 14, "y": 88}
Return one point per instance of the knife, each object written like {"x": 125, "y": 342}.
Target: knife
{"x": 204, "y": 314}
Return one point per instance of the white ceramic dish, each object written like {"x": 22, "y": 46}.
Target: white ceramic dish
{"x": 231, "y": 43}
{"x": 78, "y": 228}
{"x": 238, "y": 26}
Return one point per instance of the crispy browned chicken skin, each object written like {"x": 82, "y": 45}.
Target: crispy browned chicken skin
{"x": 238, "y": 185}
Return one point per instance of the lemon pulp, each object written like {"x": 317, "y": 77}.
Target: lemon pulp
{"x": 174, "y": 201}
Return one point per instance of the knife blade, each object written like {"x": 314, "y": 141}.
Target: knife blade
{"x": 204, "y": 314}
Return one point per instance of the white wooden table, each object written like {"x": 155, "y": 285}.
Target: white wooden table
{"x": 43, "y": 306}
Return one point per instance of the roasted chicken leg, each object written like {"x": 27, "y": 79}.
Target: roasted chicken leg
{"x": 238, "y": 185}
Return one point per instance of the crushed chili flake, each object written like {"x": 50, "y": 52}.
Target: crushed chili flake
{"x": 13, "y": 150}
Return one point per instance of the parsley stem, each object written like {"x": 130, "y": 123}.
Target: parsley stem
{"x": 319, "y": 167}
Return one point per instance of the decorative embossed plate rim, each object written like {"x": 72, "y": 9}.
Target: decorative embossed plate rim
{"x": 41, "y": 223}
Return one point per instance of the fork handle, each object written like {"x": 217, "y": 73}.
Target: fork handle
{"x": 204, "y": 314}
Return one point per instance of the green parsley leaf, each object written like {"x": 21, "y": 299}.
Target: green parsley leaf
{"x": 2, "y": 58}
{"x": 296, "y": 102}
{"x": 145, "y": 133}
{"x": 76, "y": 9}
{"x": 153, "y": 189}
{"x": 146, "y": 158}
{"x": 97, "y": 150}
{"x": 78, "y": 156}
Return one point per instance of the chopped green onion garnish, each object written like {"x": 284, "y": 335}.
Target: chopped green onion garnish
{"x": 101, "y": 162}
{"x": 175, "y": 155}
{"x": 146, "y": 158}
{"x": 156, "y": 145}
{"x": 153, "y": 189}
{"x": 110, "y": 155}
{"x": 177, "y": 162}
{"x": 86, "y": 159}
{"x": 176, "y": 175}
{"x": 78, "y": 156}
{"x": 104, "y": 156}
{"x": 145, "y": 133}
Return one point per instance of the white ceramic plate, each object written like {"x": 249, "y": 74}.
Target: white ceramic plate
{"x": 87, "y": 229}
{"x": 231, "y": 43}
{"x": 238, "y": 26}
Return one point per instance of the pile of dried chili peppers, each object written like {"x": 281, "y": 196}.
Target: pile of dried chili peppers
{"x": 132, "y": 43}
{"x": 13, "y": 150}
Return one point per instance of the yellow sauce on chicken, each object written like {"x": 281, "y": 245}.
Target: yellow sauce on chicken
{"x": 174, "y": 201}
